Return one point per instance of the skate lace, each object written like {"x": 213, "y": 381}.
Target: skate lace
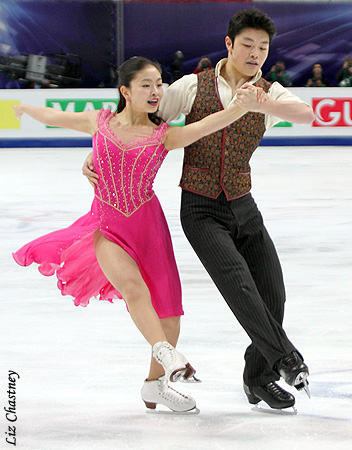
{"x": 276, "y": 389}
{"x": 166, "y": 353}
{"x": 290, "y": 359}
{"x": 173, "y": 395}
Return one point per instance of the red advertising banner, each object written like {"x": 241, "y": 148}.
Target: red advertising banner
{"x": 332, "y": 112}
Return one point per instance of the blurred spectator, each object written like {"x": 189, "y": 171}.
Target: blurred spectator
{"x": 317, "y": 79}
{"x": 203, "y": 64}
{"x": 13, "y": 84}
{"x": 347, "y": 81}
{"x": 343, "y": 76}
{"x": 2, "y": 81}
{"x": 277, "y": 73}
{"x": 176, "y": 66}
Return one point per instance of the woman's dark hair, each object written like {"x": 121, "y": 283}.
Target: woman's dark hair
{"x": 250, "y": 18}
{"x": 127, "y": 72}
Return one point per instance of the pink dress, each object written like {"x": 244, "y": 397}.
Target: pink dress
{"x": 127, "y": 212}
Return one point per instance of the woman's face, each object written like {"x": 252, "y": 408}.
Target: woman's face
{"x": 145, "y": 91}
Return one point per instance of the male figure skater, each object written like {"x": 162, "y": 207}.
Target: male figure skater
{"x": 218, "y": 214}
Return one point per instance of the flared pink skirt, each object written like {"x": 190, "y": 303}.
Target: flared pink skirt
{"x": 144, "y": 236}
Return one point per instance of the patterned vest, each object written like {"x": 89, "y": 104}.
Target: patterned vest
{"x": 220, "y": 161}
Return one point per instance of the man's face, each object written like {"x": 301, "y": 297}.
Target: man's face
{"x": 317, "y": 69}
{"x": 248, "y": 52}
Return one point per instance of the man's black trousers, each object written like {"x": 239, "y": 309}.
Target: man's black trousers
{"x": 235, "y": 248}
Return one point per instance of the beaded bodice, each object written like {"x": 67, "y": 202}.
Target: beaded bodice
{"x": 126, "y": 169}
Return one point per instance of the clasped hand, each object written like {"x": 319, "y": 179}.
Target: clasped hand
{"x": 251, "y": 98}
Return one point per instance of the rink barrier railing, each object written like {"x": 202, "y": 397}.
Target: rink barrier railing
{"x": 332, "y": 124}
{"x": 87, "y": 142}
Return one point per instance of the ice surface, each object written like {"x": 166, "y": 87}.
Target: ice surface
{"x": 81, "y": 369}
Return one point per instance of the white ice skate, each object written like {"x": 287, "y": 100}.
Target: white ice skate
{"x": 191, "y": 379}
{"x": 175, "y": 365}
{"x": 158, "y": 392}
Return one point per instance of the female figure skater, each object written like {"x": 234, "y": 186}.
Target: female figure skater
{"x": 122, "y": 248}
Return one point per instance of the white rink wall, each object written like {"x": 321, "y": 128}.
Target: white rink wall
{"x": 332, "y": 124}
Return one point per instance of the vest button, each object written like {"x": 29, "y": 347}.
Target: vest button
{"x": 226, "y": 153}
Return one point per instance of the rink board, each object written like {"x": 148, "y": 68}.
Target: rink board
{"x": 332, "y": 124}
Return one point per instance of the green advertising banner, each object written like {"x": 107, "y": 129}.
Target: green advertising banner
{"x": 81, "y": 104}
{"x": 283, "y": 124}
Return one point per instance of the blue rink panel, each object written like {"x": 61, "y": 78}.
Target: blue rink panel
{"x": 44, "y": 142}
{"x": 87, "y": 142}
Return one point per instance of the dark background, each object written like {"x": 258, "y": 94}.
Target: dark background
{"x": 306, "y": 33}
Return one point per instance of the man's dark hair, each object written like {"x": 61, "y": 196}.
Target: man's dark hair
{"x": 205, "y": 63}
{"x": 250, "y": 18}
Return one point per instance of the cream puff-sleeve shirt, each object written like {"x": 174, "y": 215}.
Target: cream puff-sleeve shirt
{"x": 180, "y": 95}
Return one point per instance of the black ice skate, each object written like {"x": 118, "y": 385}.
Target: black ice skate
{"x": 294, "y": 371}
{"x": 271, "y": 393}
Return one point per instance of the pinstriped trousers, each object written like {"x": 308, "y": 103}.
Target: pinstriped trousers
{"x": 235, "y": 248}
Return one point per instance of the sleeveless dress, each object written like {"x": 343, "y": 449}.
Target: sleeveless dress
{"x": 127, "y": 212}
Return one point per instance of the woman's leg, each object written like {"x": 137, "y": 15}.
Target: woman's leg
{"x": 123, "y": 273}
{"x": 171, "y": 327}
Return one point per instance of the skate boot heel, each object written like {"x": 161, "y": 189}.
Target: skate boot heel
{"x": 189, "y": 376}
{"x": 301, "y": 382}
{"x": 150, "y": 405}
{"x": 174, "y": 363}
{"x": 183, "y": 374}
{"x": 189, "y": 371}
{"x": 294, "y": 371}
{"x": 177, "y": 374}
{"x": 252, "y": 398}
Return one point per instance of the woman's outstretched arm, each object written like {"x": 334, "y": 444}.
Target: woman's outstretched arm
{"x": 81, "y": 121}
